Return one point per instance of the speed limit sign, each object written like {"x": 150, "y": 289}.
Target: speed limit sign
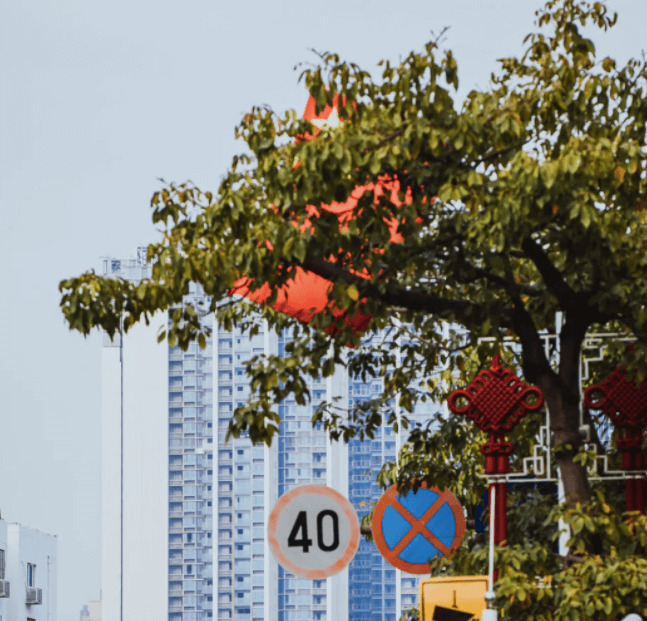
{"x": 313, "y": 531}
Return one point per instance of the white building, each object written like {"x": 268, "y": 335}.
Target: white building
{"x": 91, "y": 611}
{"x": 184, "y": 515}
{"x": 28, "y": 565}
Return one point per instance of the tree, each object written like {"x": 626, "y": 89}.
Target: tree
{"x": 524, "y": 201}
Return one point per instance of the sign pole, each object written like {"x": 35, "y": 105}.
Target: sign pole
{"x": 490, "y": 614}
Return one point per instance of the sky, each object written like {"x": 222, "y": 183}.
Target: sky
{"x": 98, "y": 101}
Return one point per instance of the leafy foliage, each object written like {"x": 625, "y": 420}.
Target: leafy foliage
{"x": 586, "y": 586}
{"x": 536, "y": 584}
{"x": 524, "y": 200}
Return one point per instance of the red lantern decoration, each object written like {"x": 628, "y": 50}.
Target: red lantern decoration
{"x": 625, "y": 403}
{"x": 307, "y": 294}
{"x": 495, "y": 401}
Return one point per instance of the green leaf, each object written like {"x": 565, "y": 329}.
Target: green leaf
{"x": 549, "y": 173}
{"x": 300, "y": 250}
{"x": 288, "y": 246}
{"x": 375, "y": 164}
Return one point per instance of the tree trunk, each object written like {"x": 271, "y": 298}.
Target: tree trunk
{"x": 564, "y": 423}
{"x": 575, "y": 479}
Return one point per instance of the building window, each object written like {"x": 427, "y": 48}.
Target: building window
{"x": 31, "y": 575}
{"x": 2, "y": 564}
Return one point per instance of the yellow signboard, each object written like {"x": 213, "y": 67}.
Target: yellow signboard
{"x": 457, "y": 598}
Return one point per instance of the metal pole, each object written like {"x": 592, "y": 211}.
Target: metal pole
{"x": 492, "y": 514}
{"x": 121, "y": 450}
{"x": 48, "y": 589}
{"x": 490, "y": 614}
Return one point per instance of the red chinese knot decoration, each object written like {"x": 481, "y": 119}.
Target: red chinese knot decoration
{"x": 625, "y": 403}
{"x": 496, "y": 400}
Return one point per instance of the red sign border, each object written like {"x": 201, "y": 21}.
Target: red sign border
{"x": 344, "y": 505}
{"x": 387, "y": 499}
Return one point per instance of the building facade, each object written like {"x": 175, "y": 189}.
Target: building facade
{"x": 185, "y": 514}
{"x": 28, "y": 561}
{"x": 91, "y": 611}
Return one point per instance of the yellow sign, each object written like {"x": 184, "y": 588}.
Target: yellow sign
{"x": 457, "y": 598}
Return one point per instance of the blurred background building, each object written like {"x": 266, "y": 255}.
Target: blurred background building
{"x": 28, "y": 561}
{"x": 184, "y": 514}
{"x": 91, "y": 611}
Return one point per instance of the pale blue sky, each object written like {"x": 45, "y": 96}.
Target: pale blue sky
{"x": 98, "y": 100}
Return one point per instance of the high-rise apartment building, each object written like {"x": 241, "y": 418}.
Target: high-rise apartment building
{"x": 184, "y": 514}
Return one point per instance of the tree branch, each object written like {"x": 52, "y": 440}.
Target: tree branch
{"x": 388, "y": 138}
{"x": 495, "y": 154}
{"x": 412, "y": 300}
{"x": 639, "y": 333}
{"x": 534, "y": 362}
{"x": 497, "y": 280}
{"x": 551, "y": 275}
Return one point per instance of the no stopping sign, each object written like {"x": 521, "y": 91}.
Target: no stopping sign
{"x": 313, "y": 531}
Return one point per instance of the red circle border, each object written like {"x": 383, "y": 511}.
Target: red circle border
{"x": 386, "y": 500}
{"x": 349, "y": 512}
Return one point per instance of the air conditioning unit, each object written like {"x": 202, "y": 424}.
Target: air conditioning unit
{"x": 34, "y": 595}
{"x": 4, "y": 588}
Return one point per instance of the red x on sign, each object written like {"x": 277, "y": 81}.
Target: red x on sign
{"x": 410, "y": 529}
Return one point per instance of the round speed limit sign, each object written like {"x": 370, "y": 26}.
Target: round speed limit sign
{"x": 313, "y": 531}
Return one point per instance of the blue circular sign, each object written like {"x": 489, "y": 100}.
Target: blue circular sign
{"x": 411, "y": 529}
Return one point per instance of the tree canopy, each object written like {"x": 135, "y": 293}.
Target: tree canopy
{"x": 525, "y": 200}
